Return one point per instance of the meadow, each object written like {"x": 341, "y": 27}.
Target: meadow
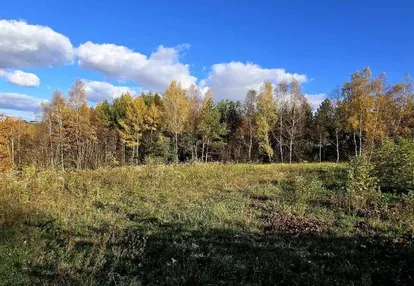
{"x": 201, "y": 224}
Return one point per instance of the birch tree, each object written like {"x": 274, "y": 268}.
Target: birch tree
{"x": 176, "y": 112}
{"x": 266, "y": 118}
{"x": 295, "y": 118}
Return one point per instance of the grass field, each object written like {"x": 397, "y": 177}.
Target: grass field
{"x": 202, "y": 224}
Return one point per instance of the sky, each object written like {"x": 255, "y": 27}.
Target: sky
{"x": 229, "y": 46}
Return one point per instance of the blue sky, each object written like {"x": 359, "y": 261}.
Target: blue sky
{"x": 226, "y": 45}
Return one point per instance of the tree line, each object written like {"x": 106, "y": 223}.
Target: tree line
{"x": 273, "y": 124}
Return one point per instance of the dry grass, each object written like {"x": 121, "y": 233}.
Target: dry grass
{"x": 198, "y": 224}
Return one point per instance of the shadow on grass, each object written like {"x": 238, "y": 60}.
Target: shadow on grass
{"x": 218, "y": 256}
{"x": 175, "y": 255}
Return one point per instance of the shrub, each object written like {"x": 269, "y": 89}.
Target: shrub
{"x": 361, "y": 185}
{"x": 394, "y": 165}
{"x": 29, "y": 171}
{"x": 303, "y": 190}
{"x": 155, "y": 160}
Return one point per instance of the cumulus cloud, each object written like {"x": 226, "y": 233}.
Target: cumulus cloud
{"x": 25, "y": 45}
{"x": 315, "y": 99}
{"x": 233, "y": 80}
{"x": 154, "y": 72}
{"x": 18, "y": 101}
{"x": 21, "y": 78}
{"x": 97, "y": 91}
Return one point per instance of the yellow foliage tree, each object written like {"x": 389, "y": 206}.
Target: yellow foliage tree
{"x": 132, "y": 125}
{"x": 176, "y": 111}
{"x": 266, "y": 117}
{"x": 358, "y": 103}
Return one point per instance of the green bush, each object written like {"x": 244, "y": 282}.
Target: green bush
{"x": 361, "y": 185}
{"x": 29, "y": 171}
{"x": 394, "y": 166}
{"x": 155, "y": 160}
{"x": 301, "y": 189}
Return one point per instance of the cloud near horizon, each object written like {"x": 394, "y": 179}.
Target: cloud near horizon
{"x": 315, "y": 99}
{"x": 19, "y": 101}
{"x": 233, "y": 80}
{"x": 98, "y": 91}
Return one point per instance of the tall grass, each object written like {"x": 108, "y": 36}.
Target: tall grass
{"x": 197, "y": 224}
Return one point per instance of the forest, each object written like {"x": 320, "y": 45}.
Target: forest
{"x": 275, "y": 124}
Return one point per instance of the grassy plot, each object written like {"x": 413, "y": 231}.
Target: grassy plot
{"x": 207, "y": 224}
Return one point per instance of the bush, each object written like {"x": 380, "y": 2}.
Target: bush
{"x": 361, "y": 185}
{"x": 394, "y": 166}
{"x": 29, "y": 171}
{"x": 155, "y": 160}
{"x": 303, "y": 190}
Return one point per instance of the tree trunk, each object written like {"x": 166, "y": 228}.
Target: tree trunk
{"x": 337, "y": 145}
{"x": 61, "y": 158}
{"x": 355, "y": 144}
{"x": 281, "y": 147}
{"x": 50, "y": 144}
{"x": 320, "y": 149}
{"x": 208, "y": 141}
{"x": 192, "y": 148}
{"x": 290, "y": 150}
{"x": 202, "y": 151}
{"x": 281, "y": 137}
{"x": 250, "y": 143}
{"x": 196, "y": 149}
{"x": 137, "y": 151}
{"x": 12, "y": 152}
{"x": 61, "y": 146}
{"x": 176, "y": 147}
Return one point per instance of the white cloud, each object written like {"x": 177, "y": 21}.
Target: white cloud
{"x": 97, "y": 91}
{"x": 25, "y": 45}
{"x": 233, "y": 80}
{"x": 21, "y": 78}
{"x": 315, "y": 99}
{"x": 18, "y": 101}
{"x": 154, "y": 72}
{"x": 25, "y": 115}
